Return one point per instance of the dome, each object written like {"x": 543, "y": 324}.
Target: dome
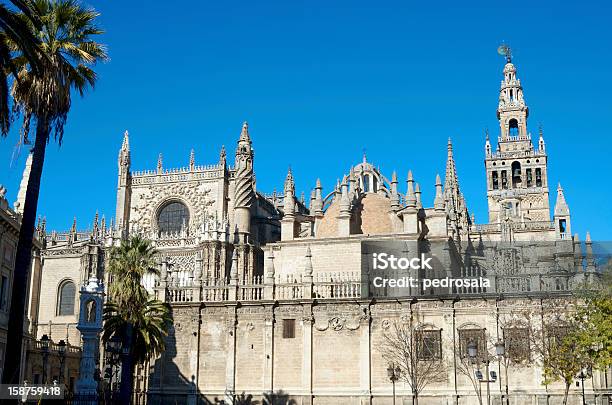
{"x": 509, "y": 68}
{"x": 372, "y": 214}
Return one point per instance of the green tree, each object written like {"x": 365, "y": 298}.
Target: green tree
{"x": 15, "y": 31}
{"x": 141, "y": 322}
{"x": 563, "y": 358}
{"x": 65, "y": 32}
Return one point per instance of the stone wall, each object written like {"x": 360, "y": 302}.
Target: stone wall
{"x": 335, "y": 353}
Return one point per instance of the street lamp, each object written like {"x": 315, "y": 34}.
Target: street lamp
{"x": 500, "y": 350}
{"x": 393, "y": 372}
{"x": 472, "y": 349}
{"x": 113, "y": 353}
{"x": 61, "y": 348}
{"x": 585, "y": 373}
{"x": 44, "y": 341}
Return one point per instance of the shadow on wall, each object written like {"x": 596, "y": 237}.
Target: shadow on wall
{"x": 273, "y": 398}
{"x": 167, "y": 385}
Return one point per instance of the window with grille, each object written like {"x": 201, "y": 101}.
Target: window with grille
{"x": 517, "y": 344}
{"x": 173, "y": 217}
{"x": 288, "y": 328}
{"x": 67, "y": 293}
{"x": 429, "y": 344}
{"x": 466, "y": 336}
{"x": 556, "y": 334}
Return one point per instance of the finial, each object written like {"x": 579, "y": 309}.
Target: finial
{"x": 192, "y": 159}
{"x": 504, "y": 50}
{"x": 394, "y": 177}
{"x": 318, "y": 185}
{"x": 487, "y": 134}
{"x": 289, "y": 182}
{"x": 222, "y": 154}
{"x": 159, "y": 163}
{"x": 439, "y": 200}
{"x": 588, "y": 237}
{"x": 364, "y": 156}
{"x": 244, "y": 134}
{"x": 449, "y": 146}
{"x": 541, "y": 131}
{"x": 126, "y": 141}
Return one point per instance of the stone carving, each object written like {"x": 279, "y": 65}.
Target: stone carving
{"x": 196, "y": 195}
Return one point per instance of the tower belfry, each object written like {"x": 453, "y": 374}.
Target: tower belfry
{"x": 517, "y": 183}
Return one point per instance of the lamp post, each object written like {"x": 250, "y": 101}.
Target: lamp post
{"x": 585, "y": 373}
{"x": 472, "y": 349}
{"x": 500, "y": 350}
{"x": 44, "y": 341}
{"x": 113, "y": 353}
{"x": 393, "y": 372}
{"x": 61, "y": 347}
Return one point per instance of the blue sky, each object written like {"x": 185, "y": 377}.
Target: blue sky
{"x": 319, "y": 82}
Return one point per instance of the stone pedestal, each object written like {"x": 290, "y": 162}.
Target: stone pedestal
{"x": 90, "y": 326}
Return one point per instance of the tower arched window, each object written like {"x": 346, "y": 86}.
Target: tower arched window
{"x": 65, "y": 298}
{"x": 513, "y": 127}
{"x": 516, "y": 174}
{"x": 495, "y": 180}
{"x": 173, "y": 217}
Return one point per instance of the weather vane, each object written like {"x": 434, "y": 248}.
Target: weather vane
{"x": 504, "y": 50}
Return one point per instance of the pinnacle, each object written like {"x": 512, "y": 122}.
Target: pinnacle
{"x": 126, "y": 141}
{"x": 244, "y": 134}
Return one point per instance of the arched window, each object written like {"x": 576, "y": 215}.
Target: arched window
{"x": 65, "y": 298}
{"x": 172, "y": 217}
{"x": 516, "y": 174}
{"x": 366, "y": 183}
{"x": 513, "y": 127}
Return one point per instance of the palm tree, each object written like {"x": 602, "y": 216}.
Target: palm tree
{"x": 14, "y": 30}
{"x": 43, "y": 96}
{"x": 142, "y": 323}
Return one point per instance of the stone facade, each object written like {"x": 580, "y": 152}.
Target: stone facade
{"x": 268, "y": 291}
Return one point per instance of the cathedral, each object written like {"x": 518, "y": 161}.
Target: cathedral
{"x": 273, "y": 295}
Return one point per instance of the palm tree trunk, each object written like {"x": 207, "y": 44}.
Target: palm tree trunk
{"x": 23, "y": 259}
{"x": 127, "y": 369}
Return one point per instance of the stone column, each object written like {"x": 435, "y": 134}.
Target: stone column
{"x": 365, "y": 364}
{"x": 307, "y": 322}
{"x": 230, "y": 370}
{"x": 269, "y": 350}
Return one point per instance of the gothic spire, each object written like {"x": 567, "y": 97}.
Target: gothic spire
{"x": 125, "y": 146}
{"x": 561, "y": 207}
{"x": 439, "y": 199}
{"x": 289, "y": 182}
{"x": 244, "y": 134}
{"x": 451, "y": 181}
{"x": 192, "y": 160}
{"x": 410, "y": 197}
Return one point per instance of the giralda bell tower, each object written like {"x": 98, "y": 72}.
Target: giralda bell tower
{"x": 517, "y": 183}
